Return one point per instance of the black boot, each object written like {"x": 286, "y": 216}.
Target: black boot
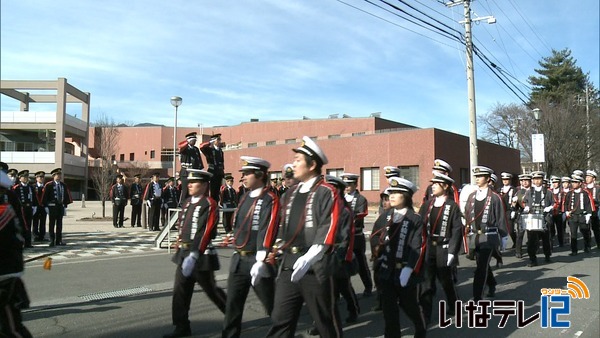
{"x": 179, "y": 332}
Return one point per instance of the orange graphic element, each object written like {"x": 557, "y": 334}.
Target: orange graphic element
{"x": 577, "y": 288}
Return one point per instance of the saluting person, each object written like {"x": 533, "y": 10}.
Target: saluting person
{"x": 189, "y": 157}
{"x": 196, "y": 229}
{"x": 255, "y": 230}
{"x": 56, "y": 197}
{"x": 215, "y": 162}
{"x": 308, "y": 229}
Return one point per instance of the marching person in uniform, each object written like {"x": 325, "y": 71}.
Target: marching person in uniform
{"x": 556, "y": 227}
{"x": 441, "y": 167}
{"x": 578, "y": 208}
{"x": 28, "y": 202}
{"x": 507, "y": 192}
{"x": 13, "y": 296}
{"x": 228, "y": 203}
{"x": 376, "y": 239}
{"x": 594, "y": 191}
{"x": 517, "y": 207}
{"x": 189, "y": 157}
{"x": 56, "y": 197}
{"x": 39, "y": 218}
{"x": 255, "y": 230}
{"x": 486, "y": 224}
{"x": 359, "y": 205}
{"x": 273, "y": 186}
{"x": 215, "y": 162}
{"x": 153, "y": 198}
{"x": 402, "y": 259}
{"x": 538, "y": 201}
{"x": 442, "y": 220}
{"x": 136, "y": 191}
{"x": 119, "y": 195}
{"x": 288, "y": 179}
{"x": 308, "y": 227}
{"x": 194, "y": 257}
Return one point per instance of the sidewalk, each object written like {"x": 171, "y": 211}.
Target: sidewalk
{"x": 72, "y": 222}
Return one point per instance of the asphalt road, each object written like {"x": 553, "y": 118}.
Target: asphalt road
{"x": 129, "y": 295}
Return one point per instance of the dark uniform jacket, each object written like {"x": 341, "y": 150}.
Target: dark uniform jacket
{"x": 39, "y": 192}
{"x": 444, "y": 229}
{"x": 404, "y": 245}
{"x": 11, "y": 234}
{"x": 360, "y": 208}
{"x": 119, "y": 194}
{"x": 170, "y": 196}
{"x": 379, "y": 233}
{"x": 228, "y": 198}
{"x": 429, "y": 194}
{"x": 537, "y": 201}
{"x": 149, "y": 193}
{"x": 214, "y": 158}
{"x": 190, "y": 157}
{"x": 25, "y": 194}
{"x": 51, "y": 195}
{"x": 578, "y": 203}
{"x": 136, "y": 194}
{"x": 487, "y": 225}
{"x": 308, "y": 219}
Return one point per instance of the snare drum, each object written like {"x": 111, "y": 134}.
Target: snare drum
{"x": 533, "y": 222}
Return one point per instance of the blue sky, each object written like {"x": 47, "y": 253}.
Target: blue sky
{"x": 235, "y": 60}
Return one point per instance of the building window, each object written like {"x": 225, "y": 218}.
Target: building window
{"x": 152, "y": 153}
{"x": 132, "y": 156}
{"x": 335, "y": 172}
{"x": 370, "y": 178}
{"x": 334, "y": 136}
{"x": 359, "y": 133}
{"x": 252, "y": 145}
{"x": 314, "y": 138}
{"x": 410, "y": 173}
{"x": 121, "y": 157}
{"x": 271, "y": 143}
{"x": 166, "y": 155}
{"x": 113, "y": 158}
{"x": 290, "y": 140}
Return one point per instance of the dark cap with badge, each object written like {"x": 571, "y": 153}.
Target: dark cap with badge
{"x": 12, "y": 172}
{"x": 40, "y": 174}
{"x": 338, "y": 182}
{"x": 191, "y": 136}
{"x": 138, "y": 175}
{"x": 120, "y": 176}
{"x": 215, "y": 137}
{"x": 506, "y": 176}
{"x": 24, "y": 173}
{"x": 228, "y": 178}
{"x": 312, "y": 149}
{"x": 288, "y": 171}
{"x": 198, "y": 175}
{"x": 350, "y": 178}
{"x": 57, "y": 171}
{"x": 525, "y": 177}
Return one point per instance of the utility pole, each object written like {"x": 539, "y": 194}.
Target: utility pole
{"x": 473, "y": 151}
{"x": 588, "y": 141}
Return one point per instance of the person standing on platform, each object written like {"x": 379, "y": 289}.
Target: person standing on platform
{"x": 486, "y": 224}
{"x": 442, "y": 219}
{"x": 402, "y": 260}
{"x": 594, "y": 191}
{"x": 195, "y": 261}
{"x": 215, "y": 162}
{"x": 119, "y": 194}
{"x": 189, "y": 157}
{"x": 360, "y": 206}
{"x": 170, "y": 200}
{"x": 538, "y": 201}
{"x": 255, "y": 228}
{"x": 153, "y": 198}
{"x": 308, "y": 228}
{"x": 55, "y": 198}
{"x": 136, "y": 192}
{"x": 28, "y": 203}
{"x": 228, "y": 203}
{"x": 39, "y": 218}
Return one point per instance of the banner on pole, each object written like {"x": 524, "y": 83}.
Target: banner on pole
{"x": 537, "y": 148}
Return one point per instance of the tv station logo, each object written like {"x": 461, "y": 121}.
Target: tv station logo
{"x": 555, "y": 305}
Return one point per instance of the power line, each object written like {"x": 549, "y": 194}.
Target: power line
{"x": 518, "y": 30}
{"x": 530, "y": 27}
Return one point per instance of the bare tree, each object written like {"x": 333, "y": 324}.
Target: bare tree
{"x": 106, "y": 144}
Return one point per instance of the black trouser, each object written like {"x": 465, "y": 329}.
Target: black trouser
{"x": 238, "y": 286}
{"x": 215, "y": 185}
{"x": 558, "y": 229}
{"x": 595, "y": 222}
{"x": 184, "y": 288}
{"x": 118, "y": 214}
{"x": 320, "y": 301}
{"x": 13, "y": 299}
{"x": 343, "y": 286}
{"x": 585, "y": 231}
{"x": 483, "y": 272}
{"x": 55, "y": 217}
{"x": 136, "y": 214}
{"x": 520, "y": 235}
{"x": 395, "y": 297}
{"x": 360, "y": 247}
{"x": 39, "y": 224}
{"x": 184, "y": 189}
{"x": 154, "y": 215}
{"x": 227, "y": 221}
{"x": 533, "y": 243}
{"x": 437, "y": 269}
{"x": 28, "y": 215}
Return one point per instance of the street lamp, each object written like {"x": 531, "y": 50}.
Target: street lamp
{"x": 175, "y": 102}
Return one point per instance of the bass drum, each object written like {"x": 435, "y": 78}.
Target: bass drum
{"x": 466, "y": 190}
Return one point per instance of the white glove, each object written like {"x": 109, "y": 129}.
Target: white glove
{"x": 450, "y": 259}
{"x": 587, "y": 218}
{"x": 526, "y": 209}
{"x": 515, "y": 199}
{"x": 305, "y": 261}
{"x": 259, "y": 268}
{"x": 148, "y": 204}
{"x": 512, "y": 214}
{"x": 504, "y": 241}
{"x": 567, "y": 214}
{"x": 564, "y": 216}
{"x": 34, "y": 210}
{"x": 188, "y": 265}
{"x": 47, "y": 210}
{"x": 405, "y": 275}
{"x": 548, "y": 208}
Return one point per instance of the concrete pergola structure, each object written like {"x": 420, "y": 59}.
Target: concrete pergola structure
{"x": 63, "y": 93}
